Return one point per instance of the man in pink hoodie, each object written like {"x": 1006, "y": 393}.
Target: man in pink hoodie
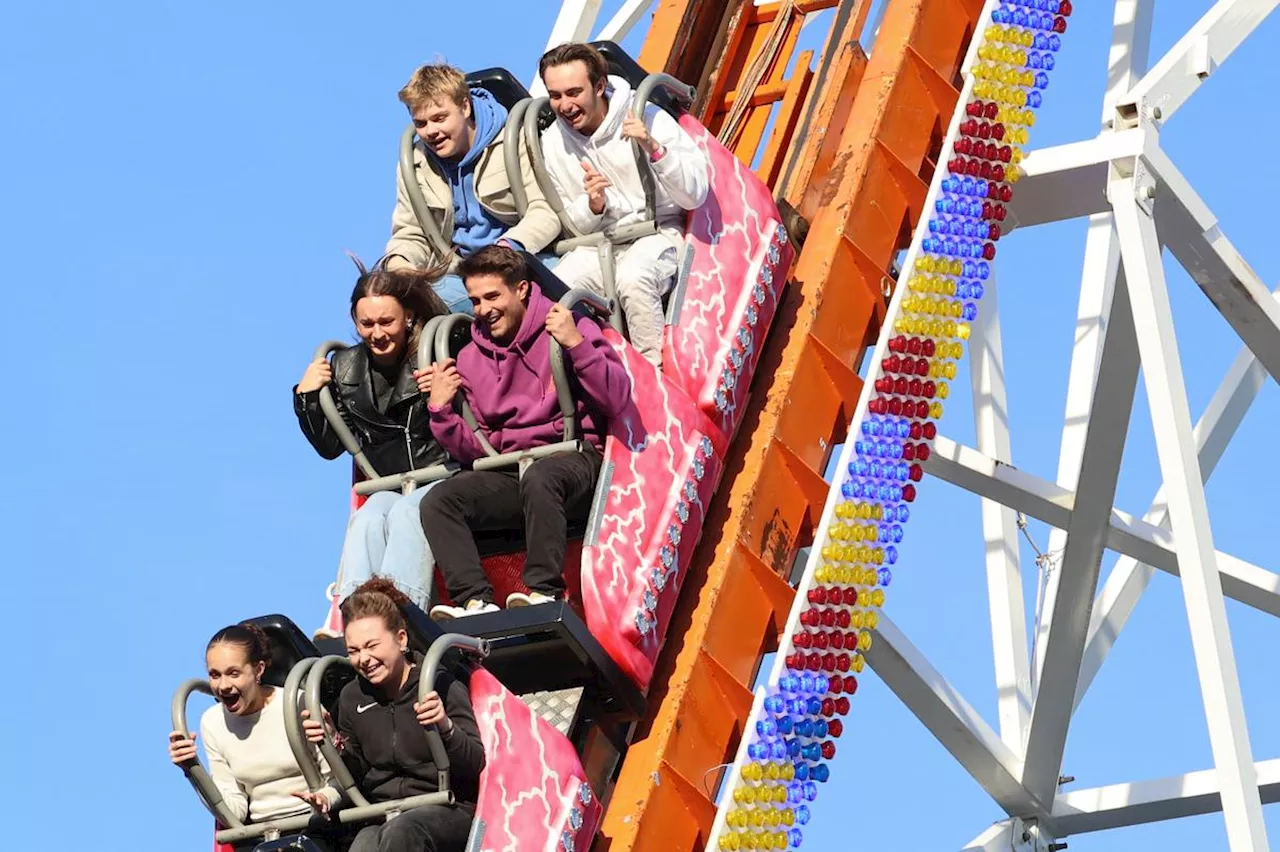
{"x": 505, "y": 376}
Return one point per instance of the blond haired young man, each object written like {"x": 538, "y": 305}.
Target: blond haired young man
{"x": 458, "y": 162}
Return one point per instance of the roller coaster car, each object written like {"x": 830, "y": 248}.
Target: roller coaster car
{"x": 542, "y": 804}
{"x": 663, "y": 457}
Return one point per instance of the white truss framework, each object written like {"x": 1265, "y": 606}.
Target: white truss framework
{"x": 1137, "y": 203}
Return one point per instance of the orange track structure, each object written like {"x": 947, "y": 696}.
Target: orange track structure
{"x": 853, "y": 147}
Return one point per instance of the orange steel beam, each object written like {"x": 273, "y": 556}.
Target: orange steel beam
{"x": 862, "y": 181}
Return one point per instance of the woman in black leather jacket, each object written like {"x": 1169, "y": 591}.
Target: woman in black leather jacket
{"x": 375, "y": 390}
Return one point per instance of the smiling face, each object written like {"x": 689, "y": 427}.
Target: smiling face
{"x": 376, "y": 652}
{"x": 384, "y": 326}
{"x": 498, "y": 305}
{"x": 445, "y": 127}
{"x": 234, "y": 679}
{"x": 573, "y": 98}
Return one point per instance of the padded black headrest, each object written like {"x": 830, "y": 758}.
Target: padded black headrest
{"x": 288, "y": 646}
{"x": 500, "y": 83}
{"x": 622, "y": 65}
{"x": 551, "y": 286}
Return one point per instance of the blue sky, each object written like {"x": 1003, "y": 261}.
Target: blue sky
{"x": 182, "y": 180}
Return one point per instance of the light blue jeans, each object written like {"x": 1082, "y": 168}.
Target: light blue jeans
{"x": 385, "y": 539}
{"x": 454, "y": 292}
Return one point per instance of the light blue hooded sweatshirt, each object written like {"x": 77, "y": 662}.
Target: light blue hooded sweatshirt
{"x": 473, "y": 227}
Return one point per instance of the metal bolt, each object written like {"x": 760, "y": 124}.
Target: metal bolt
{"x": 1065, "y": 779}
{"x": 1057, "y": 847}
{"x": 1148, "y": 192}
{"x": 1157, "y": 113}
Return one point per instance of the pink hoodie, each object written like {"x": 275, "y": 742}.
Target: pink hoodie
{"x": 512, "y": 393}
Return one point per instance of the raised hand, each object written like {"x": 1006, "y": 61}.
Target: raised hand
{"x": 431, "y": 712}
{"x": 423, "y": 378}
{"x": 633, "y": 128}
{"x": 316, "y": 799}
{"x": 561, "y": 326}
{"x": 595, "y": 184}
{"x": 445, "y": 382}
{"x": 318, "y": 374}
{"x": 182, "y": 748}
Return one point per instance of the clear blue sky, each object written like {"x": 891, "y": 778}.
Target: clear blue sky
{"x": 179, "y": 183}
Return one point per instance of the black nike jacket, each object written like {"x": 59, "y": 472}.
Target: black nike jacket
{"x": 386, "y": 749}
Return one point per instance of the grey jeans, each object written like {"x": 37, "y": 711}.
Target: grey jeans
{"x": 426, "y": 828}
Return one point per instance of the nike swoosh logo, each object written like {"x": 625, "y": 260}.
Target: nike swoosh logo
{"x": 364, "y": 707}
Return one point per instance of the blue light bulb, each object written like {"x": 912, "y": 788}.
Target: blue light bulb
{"x": 820, "y": 773}
{"x": 885, "y": 576}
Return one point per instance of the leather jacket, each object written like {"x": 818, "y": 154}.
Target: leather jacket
{"x": 395, "y": 442}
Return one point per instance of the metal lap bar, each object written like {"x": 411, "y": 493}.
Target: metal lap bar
{"x": 302, "y": 754}
{"x": 622, "y": 234}
{"x": 533, "y": 142}
{"x": 418, "y": 201}
{"x": 441, "y": 352}
{"x": 339, "y": 426}
{"x": 315, "y": 708}
{"x": 208, "y": 792}
{"x": 684, "y": 95}
{"x": 511, "y": 154}
{"x": 406, "y": 482}
{"x": 524, "y": 458}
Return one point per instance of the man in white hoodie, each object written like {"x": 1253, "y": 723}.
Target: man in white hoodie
{"x": 588, "y": 151}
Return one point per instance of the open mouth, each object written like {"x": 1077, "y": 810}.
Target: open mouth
{"x": 371, "y": 671}
{"x": 572, "y": 115}
{"x": 231, "y": 701}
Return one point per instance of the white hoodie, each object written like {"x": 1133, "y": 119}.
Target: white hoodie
{"x": 680, "y": 175}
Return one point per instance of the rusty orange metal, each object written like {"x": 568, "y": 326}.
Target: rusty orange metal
{"x": 854, "y": 157}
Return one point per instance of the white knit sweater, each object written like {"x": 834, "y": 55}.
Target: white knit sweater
{"x": 252, "y": 765}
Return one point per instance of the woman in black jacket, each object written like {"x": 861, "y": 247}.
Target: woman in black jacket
{"x": 380, "y": 730}
{"x": 374, "y": 387}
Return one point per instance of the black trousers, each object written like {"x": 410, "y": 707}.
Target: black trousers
{"x": 426, "y": 828}
{"x": 553, "y": 491}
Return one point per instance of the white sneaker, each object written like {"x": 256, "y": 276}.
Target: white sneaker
{"x": 443, "y": 612}
{"x": 532, "y": 599}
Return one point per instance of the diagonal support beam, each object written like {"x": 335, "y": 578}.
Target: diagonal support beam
{"x": 1000, "y": 528}
{"x": 624, "y": 20}
{"x": 1189, "y": 516}
{"x": 1119, "y": 805}
{"x": 1189, "y": 229}
{"x": 1129, "y": 578}
{"x": 971, "y": 470}
{"x": 1107, "y": 424}
{"x": 1196, "y": 56}
{"x": 961, "y": 729}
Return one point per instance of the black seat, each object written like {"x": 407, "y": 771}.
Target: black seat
{"x": 500, "y": 83}
{"x": 538, "y": 648}
{"x": 289, "y": 645}
{"x": 622, "y": 65}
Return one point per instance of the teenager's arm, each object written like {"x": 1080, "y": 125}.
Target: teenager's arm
{"x": 453, "y": 434}
{"x": 466, "y": 751}
{"x": 599, "y": 370}
{"x": 682, "y": 168}
{"x": 577, "y": 206}
{"x": 315, "y": 425}
{"x": 234, "y": 795}
{"x": 408, "y": 246}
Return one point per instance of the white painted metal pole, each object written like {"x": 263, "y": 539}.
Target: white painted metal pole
{"x": 1000, "y": 527}
{"x": 1086, "y": 536}
{"x": 1130, "y": 577}
{"x": 1189, "y": 514}
{"x": 576, "y": 20}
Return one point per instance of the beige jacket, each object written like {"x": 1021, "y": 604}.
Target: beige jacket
{"x": 408, "y": 245}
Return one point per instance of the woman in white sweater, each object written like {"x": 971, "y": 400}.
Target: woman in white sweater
{"x": 244, "y": 735}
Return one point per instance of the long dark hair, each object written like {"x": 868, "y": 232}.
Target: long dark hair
{"x": 413, "y": 288}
